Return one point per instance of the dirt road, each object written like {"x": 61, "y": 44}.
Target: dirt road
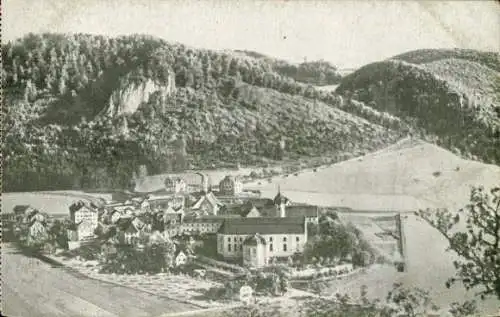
{"x": 31, "y": 287}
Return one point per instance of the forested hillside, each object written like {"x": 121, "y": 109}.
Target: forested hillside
{"x": 452, "y": 96}
{"x": 86, "y": 111}
{"x": 317, "y": 73}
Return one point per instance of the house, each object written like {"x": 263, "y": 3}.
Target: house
{"x": 231, "y": 185}
{"x": 207, "y": 204}
{"x": 86, "y": 214}
{"x": 37, "y": 233}
{"x": 175, "y": 185}
{"x": 254, "y": 251}
{"x": 284, "y": 236}
{"x": 180, "y": 258}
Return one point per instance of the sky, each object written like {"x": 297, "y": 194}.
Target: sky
{"x": 348, "y": 34}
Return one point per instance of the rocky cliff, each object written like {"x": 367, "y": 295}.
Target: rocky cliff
{"x": 132, "y": 94}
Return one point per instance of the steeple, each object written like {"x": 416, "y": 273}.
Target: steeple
{"x": 280, "y": 202}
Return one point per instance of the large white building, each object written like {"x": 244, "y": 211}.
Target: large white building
{"x": 284, "y": 236}
{"x": 85, "y": 217}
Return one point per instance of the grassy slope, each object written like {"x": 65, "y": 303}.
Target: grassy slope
{"x": 407, "y": 169}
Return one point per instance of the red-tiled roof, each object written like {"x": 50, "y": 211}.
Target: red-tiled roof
{"x": 263, "y": 225}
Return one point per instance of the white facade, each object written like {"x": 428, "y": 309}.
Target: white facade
{"x": 85, "y": 213}
{"x": 255, "y": 255}
{"x": 85, "y": 230}
{"x": 277, "y": 245}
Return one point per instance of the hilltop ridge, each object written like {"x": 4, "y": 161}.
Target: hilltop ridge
{"x": 451, "y": 96}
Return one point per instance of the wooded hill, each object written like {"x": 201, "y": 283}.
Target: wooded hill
{"x": 452, "y": 96}
{"x": 86, "y": 111}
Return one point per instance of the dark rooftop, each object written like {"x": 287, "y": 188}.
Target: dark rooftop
{"x": 263, "y": 225}
{"x": 254, "y": 240}
{"x": 304, "y": 210}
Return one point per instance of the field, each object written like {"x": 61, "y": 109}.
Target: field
{"x": 401, "y": 177}
{"x": 56, "y": 203}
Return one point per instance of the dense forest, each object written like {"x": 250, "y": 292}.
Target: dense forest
{"x": 452, "y": 95}
{"x": 87, "y": 111}
{"x": 319, "y": 73}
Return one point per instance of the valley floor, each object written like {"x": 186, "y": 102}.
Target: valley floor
{"x": 31, "y": 287}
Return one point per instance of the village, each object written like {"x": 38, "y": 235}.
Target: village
{"x": 185, "y": 225}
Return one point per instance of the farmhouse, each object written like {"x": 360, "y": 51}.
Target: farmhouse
{"x": 283, "y": 236}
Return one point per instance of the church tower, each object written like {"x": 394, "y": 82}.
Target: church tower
{"x": 280, "y": 203}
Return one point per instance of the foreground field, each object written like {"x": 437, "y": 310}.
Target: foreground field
{"x": 33, "y": 288}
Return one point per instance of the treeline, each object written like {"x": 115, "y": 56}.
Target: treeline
{"x": 419, "y": 97}
{"x": 318, "y": 73}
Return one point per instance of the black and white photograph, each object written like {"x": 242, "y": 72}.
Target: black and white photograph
{"x": 250, "y": 158}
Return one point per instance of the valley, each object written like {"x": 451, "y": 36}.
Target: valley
{"x": 378, "y": 184}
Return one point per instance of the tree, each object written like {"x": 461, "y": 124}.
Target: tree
{"x": 478, "y": 247}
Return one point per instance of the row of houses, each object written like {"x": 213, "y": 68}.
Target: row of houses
{"x": 188, "y": 183}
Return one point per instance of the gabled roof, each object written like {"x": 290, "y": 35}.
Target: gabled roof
{"x": 263, "y": 225}
{"x": 248, "y": 208}
{"x": 255, "y": 239}
{"x": 210, "y": 197}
